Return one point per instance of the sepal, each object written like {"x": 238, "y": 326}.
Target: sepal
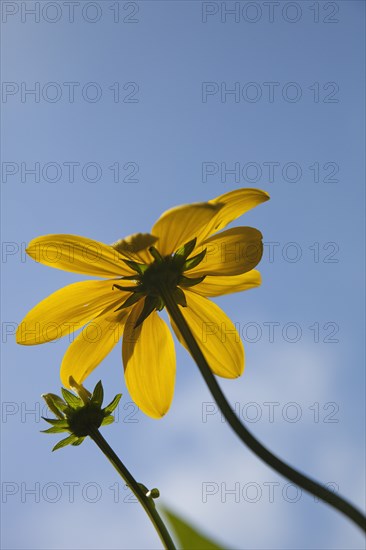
{"x": 190, "y": 281}
{"x": 139, "y": 268}
{"x": 72, "y": 400}
{"x": 79, "y": 414}
{"x": 184, "y": 251}
{"x": 98, "y": 394}
{"x": 112, "y": 405}
{"x": 180, "y": 297}
{"x": 64, "y": 442}
{"x": 150, "y": 304}
{"x": 135, "y": 297}
{"x": 193, "y": 262}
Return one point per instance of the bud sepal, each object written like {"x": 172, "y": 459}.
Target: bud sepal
{"x": 79, "y": 413}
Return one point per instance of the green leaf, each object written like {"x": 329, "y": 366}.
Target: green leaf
{"x": 67, "y": 441}
{"x": 112, "y": 405}
{"x": 72, "y": 400}
{"x": 193, "y": 262}
{"x": 107, "y": 420}
{"x": 98, "y": 394}
{"x": 189, "y": 537}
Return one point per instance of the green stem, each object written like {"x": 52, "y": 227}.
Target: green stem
{"x": 243, "y": 433}
{"x": 137, "y": 490}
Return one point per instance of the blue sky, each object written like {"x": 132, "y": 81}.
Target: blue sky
{"x": 144, "y": 88}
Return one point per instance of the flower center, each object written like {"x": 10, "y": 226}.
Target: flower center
{"x": 164, "y": 275}
{"x": 81, "y": 420}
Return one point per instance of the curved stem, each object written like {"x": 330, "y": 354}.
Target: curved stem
{"x": 243, "y": 433}
{"x": 137, "y": 490}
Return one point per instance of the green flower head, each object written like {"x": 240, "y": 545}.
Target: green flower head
{"x": 79, "y": 413}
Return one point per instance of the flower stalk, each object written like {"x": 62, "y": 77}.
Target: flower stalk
{"x": 306, "y": 483}
{"x": 144, "y": 496}
{"x": 81, "y": 416}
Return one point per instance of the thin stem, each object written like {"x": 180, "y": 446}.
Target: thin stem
{"x": 243, "y": 433}
{"x": 137, "y": 490}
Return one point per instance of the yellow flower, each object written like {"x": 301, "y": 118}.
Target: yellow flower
{"x": 184, "y": 258}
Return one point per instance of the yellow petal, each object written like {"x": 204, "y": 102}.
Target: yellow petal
{"x": 230, "y": 252}
{"x": 91, "y": 346}
{"x": 67, "y": 310}
{"x": 136, "y": 247}
{"x": 215, "y": 334}
{"x": 79, "y": 255}
{"x": 216, "y": 285}
{"x": 149, "y": 362}
{"x": 181, "y": 224}
{"x": 233, "y": 204}
{"x": 199, "y": 220}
